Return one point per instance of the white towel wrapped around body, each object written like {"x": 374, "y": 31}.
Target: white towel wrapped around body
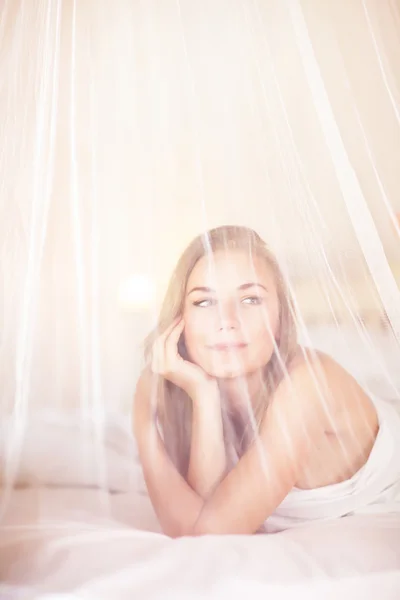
{"x": 375, "y": 488}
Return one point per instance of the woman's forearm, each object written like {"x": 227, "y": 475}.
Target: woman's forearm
{"x": 207, "y": 465}
{"x": 176, "y": 504}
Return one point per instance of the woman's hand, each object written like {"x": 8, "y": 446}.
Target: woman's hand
{"x": 207, "y": 462}
{"x": 167, "y": 361}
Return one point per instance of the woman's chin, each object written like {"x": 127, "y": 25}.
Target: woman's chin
{"x": 227, "y": 371}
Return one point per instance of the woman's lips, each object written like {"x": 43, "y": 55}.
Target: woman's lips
{"x": 228, "y": 346}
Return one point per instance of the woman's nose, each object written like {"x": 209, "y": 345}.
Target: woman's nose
{"x": 229, "y": 317}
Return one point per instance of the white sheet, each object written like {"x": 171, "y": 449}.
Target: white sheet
{"x": 69, "y": 536}
{"x": 93, "y": 545}
{"x": 68, "y": 450}
{"x": 375, "y": 488}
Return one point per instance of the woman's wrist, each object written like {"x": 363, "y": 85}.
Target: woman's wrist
{"x": 206, "y": 394}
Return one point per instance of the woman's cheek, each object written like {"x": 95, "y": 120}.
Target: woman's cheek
{"x": 195, "y": 330}
{"x": 200, "y": 320}
{"x": 268, "y": 320}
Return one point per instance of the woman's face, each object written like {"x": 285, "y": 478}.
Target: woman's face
{"x": 231, "y": 314}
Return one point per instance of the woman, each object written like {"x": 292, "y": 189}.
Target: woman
{"x": 238, "y": 427}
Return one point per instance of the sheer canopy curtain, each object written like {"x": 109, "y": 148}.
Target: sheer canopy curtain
{"x": 127, "y": 129}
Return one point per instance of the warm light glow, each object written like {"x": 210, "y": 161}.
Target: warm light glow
{"x": 136, "y": 293}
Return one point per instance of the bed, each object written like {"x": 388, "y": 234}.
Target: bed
{"x": 67, "y": 532}
{"x": 96, "y": 545}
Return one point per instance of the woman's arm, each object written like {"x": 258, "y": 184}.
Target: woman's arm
{"x": 176, "y": 504}
{"x": 207, "y": 465}
{"x": 266, "y": 473}
{"x": 300, "y": 412}
{"x": 294, "y": 423}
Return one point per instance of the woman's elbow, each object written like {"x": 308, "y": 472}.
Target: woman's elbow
{"x": 178, "y": 530}
{"x": 209, "y": 525}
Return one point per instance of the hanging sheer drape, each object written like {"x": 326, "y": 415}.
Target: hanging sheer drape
{"x": 125, "y": 131}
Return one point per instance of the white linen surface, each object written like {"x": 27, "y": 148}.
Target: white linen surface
{"x": 68, "y": 450}
{"x": 94, "y": 545}
{"x": 65, "y": 536}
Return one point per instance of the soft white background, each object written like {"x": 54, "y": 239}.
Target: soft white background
{"x": 128, "y": 129}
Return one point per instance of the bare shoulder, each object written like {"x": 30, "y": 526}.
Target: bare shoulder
{"x": 325, "y": 386}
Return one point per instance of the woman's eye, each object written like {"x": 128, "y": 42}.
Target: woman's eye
{"x": 252, "y": 300}
{"x": 204, "y": 303}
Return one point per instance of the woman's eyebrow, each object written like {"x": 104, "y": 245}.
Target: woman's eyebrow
{"x": 244, "y": 286}
{"x": 202, "y": 289}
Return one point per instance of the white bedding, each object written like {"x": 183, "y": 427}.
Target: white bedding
{"x": 67, "y": 533}
{"x": 97, "y": 545}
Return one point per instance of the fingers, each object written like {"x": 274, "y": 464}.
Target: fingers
{"x": 175, "y": 333}
{"x": 158, "y": 356}
{"x": 159, "y": 344}
{"x": 171, "y": 342}
{"x": 171, "y": 327}
{"x": 165, "y": 348}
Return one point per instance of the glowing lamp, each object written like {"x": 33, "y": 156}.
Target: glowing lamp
{"x": 137, "y": 292}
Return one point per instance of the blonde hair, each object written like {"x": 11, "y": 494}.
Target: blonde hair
{"x": 174, "y": 407}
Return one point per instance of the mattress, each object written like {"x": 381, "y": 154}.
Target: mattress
{"x": 78, "y": 524}
{"x": 88, "y": 543}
